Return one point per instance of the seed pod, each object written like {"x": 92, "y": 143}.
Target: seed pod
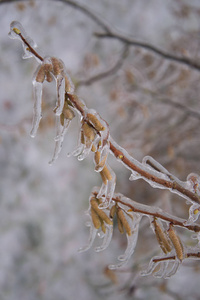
{"x": 106, "y": 173}
{"x": 89, "y": 132}
{"x": 95, "y": 219}
{"x": 124, "y": 221}
{"x": 40, "y": 77}
{"x": 161, "y": 237}
{"x": 95, "y": 122}
{"x": 176, "y": 243}
{"x": 100, "y": 212}
{"x": 112, "y": 211}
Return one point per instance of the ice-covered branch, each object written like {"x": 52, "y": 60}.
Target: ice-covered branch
{"x": 153, "y": 211}
{"x": 111, "y": 33}
{"x": 104, "y": 203}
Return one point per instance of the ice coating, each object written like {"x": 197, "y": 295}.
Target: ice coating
{"x": 165, "y": 271}
{"x": 93, "y": 233}
{"x": 37, "y": 110}
{"x": 106, "y": 191}
{"x": 60, "y": 134}
{"x": 17, "y": 32}
{"x": 106, "y": 239}
{"x": 131, "y": 244}
{"x": 194, "y": 213}
{"x": 104, "y": 151}
{"x": 60, "y": 84}
{"x": 144, "y": 168}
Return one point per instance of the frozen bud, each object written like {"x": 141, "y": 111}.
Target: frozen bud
{"x": 82, "y": 137}
{"x": 18, "y": 32}
{"x": 40, "y": 76}
{"x": 194, "y": 212}
{"x": 95, "y": 219}
{"x": 68, "y": 112}
{"x": 57, "y": 64}
{"x": 97, "y": 157}
{"x": 106, "y": 172}
{"x": 194, "y": 181}
{"x": 95, "y": 122}
{"x": 89, "y": 132}
{"x": 113, "y": 211}
{"x": 176, "y": 243}
{"x": 161, "y": 237}
{"x": 69, "y": 86}
{"x": 103, "y": 177}
{"x": 62, "y": 119}
{"x": 122, "y": 222}
{"x": 100, "y": 212}
{"x": 93, "y": 149}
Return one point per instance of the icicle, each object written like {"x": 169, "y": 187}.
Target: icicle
{"x": 107, "y": 190}
{"x": 173, "y": 269}
{"x": 102, "y": 190}
{"x": 151, "y": 267}
{"x": 107, "y": 238}
{"x": 110, "y": 187}
{"x": 103, "y": 158}
{"x": 85, "y": 152}
{"x": 134, "y": 176}
{"x": 60, "y": 133}
{"x": 16, "y": 31}
{"x": 37, "y": 115}
{"x": 154, "y": 165}
{"x": 93, "y": 232}
{"x": 162, "y": 271}
{"x": 131, "y": 243}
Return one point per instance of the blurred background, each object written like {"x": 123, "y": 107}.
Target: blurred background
{"x": 152, "y": 107}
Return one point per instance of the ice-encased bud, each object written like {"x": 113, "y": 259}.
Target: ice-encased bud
{"x": 18, "y": 32}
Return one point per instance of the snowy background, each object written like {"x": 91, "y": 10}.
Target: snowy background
{"x": 42, "y": 221}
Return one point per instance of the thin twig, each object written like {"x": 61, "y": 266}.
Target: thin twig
{"x": 112, "y": 33}
{"x": 153, "y": 211}
{"x": 132, "y": 42}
